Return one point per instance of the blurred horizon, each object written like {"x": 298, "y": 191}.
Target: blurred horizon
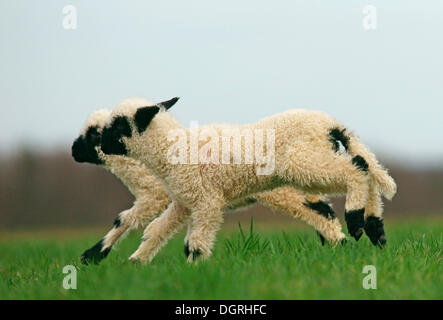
{"x": 41, "y": 190}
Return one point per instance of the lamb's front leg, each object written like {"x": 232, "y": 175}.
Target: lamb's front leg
{"x": 204, "y": 226}
{"x": 158, "y": 232}
{"x": 123, "y": 224}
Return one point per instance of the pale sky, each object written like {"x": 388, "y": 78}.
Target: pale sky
{"x": 229, "y": 61}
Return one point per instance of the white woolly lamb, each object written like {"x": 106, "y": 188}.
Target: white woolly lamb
{"x": 307, "y": 157}
{"x": 151, "y": 198}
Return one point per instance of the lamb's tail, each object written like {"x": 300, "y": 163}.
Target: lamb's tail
{"x": 379, "y": 174}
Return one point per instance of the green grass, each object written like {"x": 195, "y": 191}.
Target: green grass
{"x": 264, "y": 264}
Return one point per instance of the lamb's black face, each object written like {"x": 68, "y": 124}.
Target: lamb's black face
{"x": 111, "y": 136}
{"x": 111, "y": 140}
{"x": 83, "y": 148}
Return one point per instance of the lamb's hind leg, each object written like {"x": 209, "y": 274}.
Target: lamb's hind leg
{"x": 356, "y": 196}
{"x": 312, "y": 209}
{"x": 331, "y": 174}
{"x": 373, "y": 217}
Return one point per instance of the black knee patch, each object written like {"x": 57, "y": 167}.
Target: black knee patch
{"x": 95, "y": 254}
{"x": 117, "y": 222}
{"x": 374, "y": 229}
{"x": 337, "y": 136}
{"x": 322, "y": 208}
{"x": 360, "y": 163}
{"x": 355, "y": 221}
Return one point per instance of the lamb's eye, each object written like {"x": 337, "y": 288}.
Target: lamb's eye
{"x": 121, "y": 126}
{"x": 93, "y": 136}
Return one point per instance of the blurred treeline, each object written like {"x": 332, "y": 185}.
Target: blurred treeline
{"x": 51, "y": 189}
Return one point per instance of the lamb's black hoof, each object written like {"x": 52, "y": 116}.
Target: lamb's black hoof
{"x": 134, "y": 261}
{"x": 186, "y": 249}
{"x": 382, "y": 240}
{"x": 94, "y": 254}
{"x": 355, "y": 221}
{"x": 322, "y": 239}
{"x": 195, "y": 253}
{"x": 357, "y": 234}
{"x": 374, "y": 229}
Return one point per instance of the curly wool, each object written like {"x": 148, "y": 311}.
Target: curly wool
{"x": 151, "y": 197}
{"x": 304, "y": 159}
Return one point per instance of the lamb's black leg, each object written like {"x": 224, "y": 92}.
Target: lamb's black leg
{"x": 375, "y": 231}
{"x": 95, "y": 254}
{"x": 322, "y": 239}
{"x": 355, "y": 222}
{"x": 195, "y": 254}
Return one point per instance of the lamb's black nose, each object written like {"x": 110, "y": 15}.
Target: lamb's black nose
{"x": 78, "y": 149}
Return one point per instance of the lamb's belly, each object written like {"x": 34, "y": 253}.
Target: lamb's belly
{"x": 239, "y": 181}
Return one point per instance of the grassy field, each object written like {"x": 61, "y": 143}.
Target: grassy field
{"x": 268, "y": 264}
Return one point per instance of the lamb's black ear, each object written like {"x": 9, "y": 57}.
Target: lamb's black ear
{"x": 168, "y": 104}
{"x": 143, "y": 117}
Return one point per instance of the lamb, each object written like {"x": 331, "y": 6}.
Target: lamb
{"x": 312, "y": 152}
{"x": 151, "y": 198}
